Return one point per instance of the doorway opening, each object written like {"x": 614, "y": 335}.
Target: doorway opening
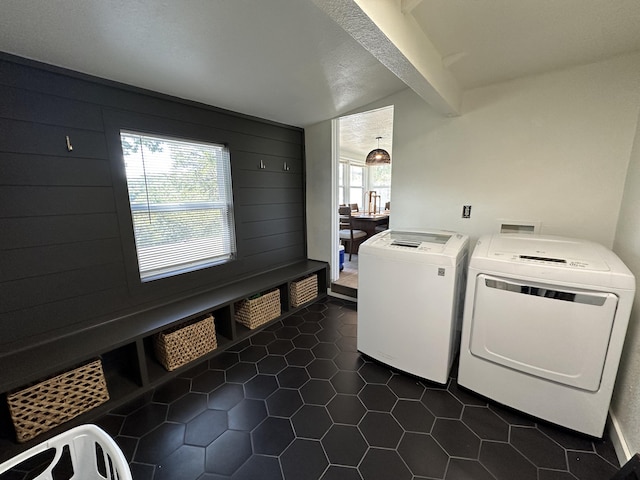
{"x": 366, "y": 189}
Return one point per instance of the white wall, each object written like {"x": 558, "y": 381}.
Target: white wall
{"x": 625, "y": 407}
{"x": 553, "y": 148}
{"x": 318, "y": 190}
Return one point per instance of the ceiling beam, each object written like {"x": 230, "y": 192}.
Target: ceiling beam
{"x": 399, "y": 44}
{"x": 407, "y": 6}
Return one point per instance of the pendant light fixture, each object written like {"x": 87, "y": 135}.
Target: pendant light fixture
{"x": 378, "y": 155}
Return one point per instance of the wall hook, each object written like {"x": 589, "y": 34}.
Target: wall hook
{"x": 262, "y": 166}
{"x": 69, "y": 146}
{"x": 285, "y": 167}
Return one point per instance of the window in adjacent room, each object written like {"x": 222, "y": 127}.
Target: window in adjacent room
{"x": 342, "y": 167}
{"x": 351, "y": 183}
{"x": 356, "y": 184}
{"x": 380, "y": 182}
{"x": 181, "y": 203}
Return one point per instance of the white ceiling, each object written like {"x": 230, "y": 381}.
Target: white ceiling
{"x": 283, "y": 60}
{"x": 290, "y": 62}
{"x": 359, "y": 133}
{"x": 497, "y": 40}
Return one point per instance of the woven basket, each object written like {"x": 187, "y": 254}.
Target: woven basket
{"x": 304, "y": 290}
{"x": 184, "y": 343}
{"x": 40, "y": 407}
{"x": 254, "y": 312}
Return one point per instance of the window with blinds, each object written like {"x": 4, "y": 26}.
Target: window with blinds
{"x": 181, "y": 203}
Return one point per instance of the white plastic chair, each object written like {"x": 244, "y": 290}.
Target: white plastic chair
{"x": 94, "y": 455}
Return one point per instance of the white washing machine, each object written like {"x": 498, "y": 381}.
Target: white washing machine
{"x": 544, "y": 324}
{"x": 410, "y": 288}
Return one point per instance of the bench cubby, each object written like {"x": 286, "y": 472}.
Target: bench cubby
{"x": 125, "y": 344}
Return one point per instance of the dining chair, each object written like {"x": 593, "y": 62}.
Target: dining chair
{"x": 354, "y": 207}
{"x": 347, "y": 234}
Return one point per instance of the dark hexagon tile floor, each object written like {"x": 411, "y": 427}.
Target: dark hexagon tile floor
{"x": 296, "y": 401}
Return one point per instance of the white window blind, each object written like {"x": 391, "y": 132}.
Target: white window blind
{"x": 181, "y": 203}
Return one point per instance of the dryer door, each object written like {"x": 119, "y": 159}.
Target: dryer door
{"x": 553, "y": 332}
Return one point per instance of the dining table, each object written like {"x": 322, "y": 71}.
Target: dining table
{"x": 368, "y": 222}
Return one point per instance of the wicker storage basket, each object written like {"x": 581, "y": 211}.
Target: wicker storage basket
{"x": 40, "y": 407}
{"x": 304, "y": 290}
{"x": 254, "y": 312}
{"x": 183, "y": 343}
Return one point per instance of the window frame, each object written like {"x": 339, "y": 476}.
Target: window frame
{"x": 224, "y": 206}
{"x": 376, "y": 187}
{"x": 345, "y": 164}
{"x": 117, "y": 120}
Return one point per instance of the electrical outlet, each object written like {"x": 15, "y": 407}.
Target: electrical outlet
{"x": 466, "y": 211}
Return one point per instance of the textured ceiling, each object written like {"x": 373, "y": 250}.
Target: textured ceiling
{"x": 498, "y": 40}
{"x": 290, "y": 62}
{"x": 282, "y": 60}
{"x": 358, "y": 133}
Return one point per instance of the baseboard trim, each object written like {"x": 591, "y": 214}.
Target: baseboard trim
{"x": 350, "y": 293}
{"x": 617, "y": 439}
{"x": 333, "y": 293}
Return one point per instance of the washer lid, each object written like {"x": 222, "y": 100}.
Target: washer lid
{"x": 430, "y": 244}
{"x": 416, "y": 239}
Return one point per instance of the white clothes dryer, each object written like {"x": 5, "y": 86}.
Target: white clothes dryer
{"x": 410, "y": 288}
{"x": 544, "y": 325}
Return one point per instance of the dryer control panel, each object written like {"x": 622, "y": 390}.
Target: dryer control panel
{"x": 547, "y": 251}
{"x": 539, "y": 260}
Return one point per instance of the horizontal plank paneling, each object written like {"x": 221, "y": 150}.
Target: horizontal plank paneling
{"x": 272, "y": 163}
{"x": 26, "y": 137}
{"x": 35, "y": 231}
{"x": 45, "y": 260}
{"x": 20, "y": 104}
{"x": 39, "y": 322}
{"x": 37, "y": 201}
{"x": 273, "y": 242}
{"x": 252, "y": 213}
{"x": 67, "y": 251}
{"x": 274, "y": 258}
{"x": 80, "y": 87}
{"x": 261, "y": 145}
{"x": 270, "y": 227}
{"x": 267, "y": 196}
{"x": 24, "y": 293}
{"x": 239, "y": 143}
{"x": 31, "y": 169}
{"x": 260, "y": 178}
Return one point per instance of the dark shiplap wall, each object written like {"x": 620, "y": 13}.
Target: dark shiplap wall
{"x": 65, "y": 253}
